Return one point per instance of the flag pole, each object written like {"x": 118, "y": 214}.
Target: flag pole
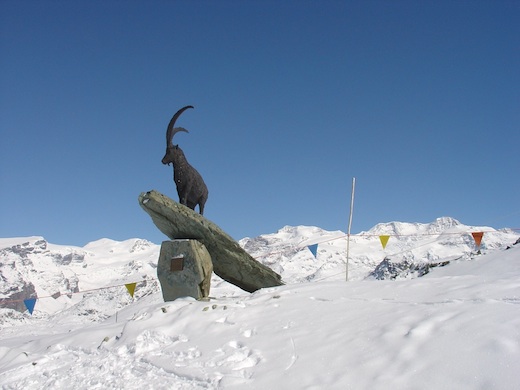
{"x": 350, "y": 223}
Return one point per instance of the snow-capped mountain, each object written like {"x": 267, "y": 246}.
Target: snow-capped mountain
{"x": 441, "y": 240}
{"x": 88, "y": 281}
{"x": 63, "y": 276}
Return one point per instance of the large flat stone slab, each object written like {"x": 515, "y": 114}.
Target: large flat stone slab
{"x": 230, "y": 261}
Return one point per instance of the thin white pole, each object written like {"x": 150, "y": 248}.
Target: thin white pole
{"x": 350, "y": 222}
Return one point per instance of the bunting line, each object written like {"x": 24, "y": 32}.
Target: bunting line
{"x": 129, "y": 286}
{"x": 477, "y": 236}
{"x": 389, "y": 235}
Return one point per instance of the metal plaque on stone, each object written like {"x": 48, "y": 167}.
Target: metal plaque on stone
{"x": 177, "y": 264}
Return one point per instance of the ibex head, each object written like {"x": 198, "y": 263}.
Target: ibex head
{"x": 171, "y": 149}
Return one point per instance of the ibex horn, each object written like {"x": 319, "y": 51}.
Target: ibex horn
{"x": 172, "y": 131}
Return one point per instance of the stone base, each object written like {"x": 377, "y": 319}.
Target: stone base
{"x": 184, "y": 269}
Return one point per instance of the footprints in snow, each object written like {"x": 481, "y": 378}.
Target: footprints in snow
{"x": 426, "y": 329}
{"x": 236, "y": 356}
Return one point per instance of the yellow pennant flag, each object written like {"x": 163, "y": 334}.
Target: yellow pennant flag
{"x": 477, "y": 236}
{"x": 384, "y": 240}
{"x": 131, "y": 288}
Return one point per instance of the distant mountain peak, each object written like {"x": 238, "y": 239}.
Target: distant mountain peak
{"x": 439, "y": 225}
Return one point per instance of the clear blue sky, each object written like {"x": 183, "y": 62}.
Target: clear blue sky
{"x": 419, "y": 100}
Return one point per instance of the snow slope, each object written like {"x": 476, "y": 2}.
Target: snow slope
{"x": 458, "y": 327}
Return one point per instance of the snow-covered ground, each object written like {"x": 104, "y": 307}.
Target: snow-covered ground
{"x": 457, "y": 327}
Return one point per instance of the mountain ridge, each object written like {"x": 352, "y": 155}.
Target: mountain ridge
{"x": 33, "y": 267}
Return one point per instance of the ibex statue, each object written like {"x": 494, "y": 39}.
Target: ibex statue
{"x": 191, "y": 188}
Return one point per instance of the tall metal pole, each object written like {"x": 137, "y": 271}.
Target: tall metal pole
{"x": 350, "y": 222}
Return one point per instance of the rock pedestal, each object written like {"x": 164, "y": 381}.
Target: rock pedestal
{"x": 184, "y": 269}
{"x": 230, "y": 261}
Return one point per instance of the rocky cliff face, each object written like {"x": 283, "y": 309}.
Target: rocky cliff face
{"x": 32, "y": 268}
{"x": 26, "y": 263}
{"x": 404, "y": 269}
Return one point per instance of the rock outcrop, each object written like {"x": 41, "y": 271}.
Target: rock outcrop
{"x": 230, "y": 261}
{"x": 403, "y": 269}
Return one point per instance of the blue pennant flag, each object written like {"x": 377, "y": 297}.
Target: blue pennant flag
{"x": 313, "y": 249}
{"x": 29, "y": 304}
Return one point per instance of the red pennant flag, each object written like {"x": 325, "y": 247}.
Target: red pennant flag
{"x": 477, "y": 236}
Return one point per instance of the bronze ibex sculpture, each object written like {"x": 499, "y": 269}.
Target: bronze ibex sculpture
{"x": 191, "y": 188}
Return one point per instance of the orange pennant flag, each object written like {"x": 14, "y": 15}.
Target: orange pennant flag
{"x": 384, "y": 240}
{"x": 477, "y": 236}
{"x": 131, "y": 288}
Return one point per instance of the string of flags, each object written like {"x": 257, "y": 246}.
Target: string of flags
{"x": 477, "y": 237}
{"x": 31, "y": 302}
{"x": 313, "y": 248}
